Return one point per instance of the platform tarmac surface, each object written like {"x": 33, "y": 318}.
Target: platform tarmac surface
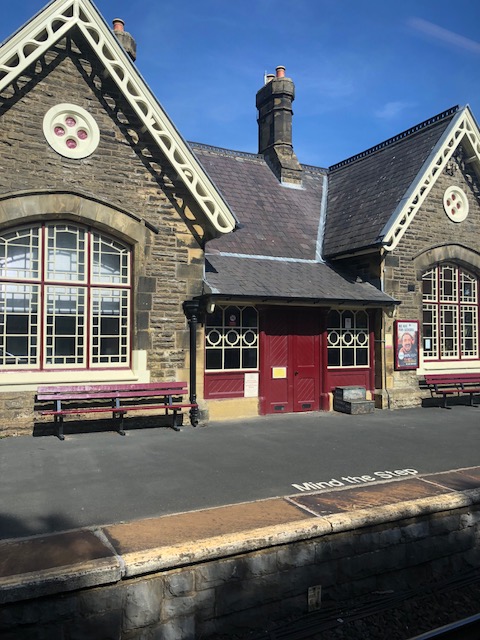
{"x": 101, "y": 478}
{"x": 100, "y": 508}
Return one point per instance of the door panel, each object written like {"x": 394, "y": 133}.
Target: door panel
{"x": 305, "y": 362}
{"x": 290, "y": 368}
{"x": 274, "y": 372}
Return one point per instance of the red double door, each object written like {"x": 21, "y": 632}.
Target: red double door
{"x": 290, "y": 361}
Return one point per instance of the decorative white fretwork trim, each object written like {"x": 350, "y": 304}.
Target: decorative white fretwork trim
{"x": 52, "y": 24}
{"x": 463, "y": 126}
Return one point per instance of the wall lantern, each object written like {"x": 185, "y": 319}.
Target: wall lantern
{"x": 210, "y": 306}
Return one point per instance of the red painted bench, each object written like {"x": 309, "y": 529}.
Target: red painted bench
{"x": 117, "y": 399}
{"x": 447, "y": 384}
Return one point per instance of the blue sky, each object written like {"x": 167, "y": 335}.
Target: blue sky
{"x": 363, "y": 70}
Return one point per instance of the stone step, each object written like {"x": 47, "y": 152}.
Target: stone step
{"x": 350, "y": 393}
{"x": 356, "y": 407}
{"x": 353, "y": 400}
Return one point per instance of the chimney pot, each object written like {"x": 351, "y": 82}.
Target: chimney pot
{"x": 118, "y": 25}
{"x": 280, "y": 72}
{"x": 269, "y": 77}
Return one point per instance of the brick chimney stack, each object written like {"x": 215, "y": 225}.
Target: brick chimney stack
{"x": 126, "y": 40}
{"x": 274, "y": 104}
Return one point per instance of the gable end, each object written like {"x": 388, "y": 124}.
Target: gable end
{"x": 54, "y": 22}
{"x": 462, "y": 130}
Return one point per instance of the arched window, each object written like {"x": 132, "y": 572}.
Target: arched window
{"x": 64, "y": 298}
{"x": 450, "y": 314}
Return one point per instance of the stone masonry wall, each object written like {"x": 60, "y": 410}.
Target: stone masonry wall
{"x": 403, "y": 279}
{"x": 249, "y": 591}
{"x": 126, "y": 171}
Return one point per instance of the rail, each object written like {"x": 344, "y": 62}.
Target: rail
{"x": 333, "y": 616}
{"x": 466, "y": 629}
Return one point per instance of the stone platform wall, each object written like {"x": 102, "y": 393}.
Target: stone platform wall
{"x": 232, "y": 594}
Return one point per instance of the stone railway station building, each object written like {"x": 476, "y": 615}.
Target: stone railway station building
{"x": 119, "y": 241}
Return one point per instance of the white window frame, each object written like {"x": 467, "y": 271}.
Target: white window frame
{"x": 350, "y": 333}
{"x": 231, "y": 335}
{"x": 451, "y": 304}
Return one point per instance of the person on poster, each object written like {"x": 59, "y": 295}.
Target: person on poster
{"x": 407, "y": 350}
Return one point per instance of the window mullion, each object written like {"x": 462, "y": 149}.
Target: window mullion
{"x": 88, "y": 324}
{"x": 42, "y": 302}
{"x": 438, "y": 322}
{"x": 459, "y": 315}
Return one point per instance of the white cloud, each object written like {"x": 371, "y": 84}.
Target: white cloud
{"x": 392, "y": 109}
{"x": 444, "y": 35}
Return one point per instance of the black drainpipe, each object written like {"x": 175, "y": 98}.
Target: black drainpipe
{"x": 192, "y": 310}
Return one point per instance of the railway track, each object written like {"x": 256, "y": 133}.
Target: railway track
{"x": 466, "y": 629}
{"x": 403, "y": 612}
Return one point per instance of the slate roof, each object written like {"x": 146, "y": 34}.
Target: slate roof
{"x": 364, "y": 191}
{"x": 279, "y": 223}
{"x": 244, "y": 277}
{"x": 276, "y": 253}
{"x": 275, "y": 220}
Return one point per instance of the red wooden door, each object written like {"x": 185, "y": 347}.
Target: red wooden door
{"x": 290, "y": 361}
{"x": 305, "y": 361}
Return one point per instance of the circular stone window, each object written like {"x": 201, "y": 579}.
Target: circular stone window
{"x": 455, "y": 204}
{"x": 71, "y": 131}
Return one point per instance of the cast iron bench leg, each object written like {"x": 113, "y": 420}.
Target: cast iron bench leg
{"x": 445, "y": 406}
{"x": 118, "y": 416}
{"x": 472, "y": 403}
{"x": 59, "y": 424}
{"x": 120, "y": 429}
{"x": 58, "y": 418}
{"x": 175, "y": 425}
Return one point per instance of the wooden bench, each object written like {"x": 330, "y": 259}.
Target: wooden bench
{"x": 117, "y": 399}
{"x": 448, "y": 384}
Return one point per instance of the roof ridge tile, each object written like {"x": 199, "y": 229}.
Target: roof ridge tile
{"x": 200, "y": 146}
{"x": 400, "y": 136}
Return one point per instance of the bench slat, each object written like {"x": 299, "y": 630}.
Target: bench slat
{"x": 106, "y": 395}
{"x": 468, "y": 378}
{"x": 122, "y": 409}
{"x": 100, "y": 388}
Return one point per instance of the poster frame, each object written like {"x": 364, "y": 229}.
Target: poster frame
{"x": 411, "y": 327}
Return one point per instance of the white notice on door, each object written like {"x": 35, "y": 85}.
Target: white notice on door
{"x": 251, "y": 385}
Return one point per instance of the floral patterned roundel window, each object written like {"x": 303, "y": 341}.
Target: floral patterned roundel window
{"x": 455, "y": 203}
{"x": 71, "y": 131}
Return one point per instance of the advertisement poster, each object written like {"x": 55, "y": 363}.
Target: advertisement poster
{"x": 406, "y": 344}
